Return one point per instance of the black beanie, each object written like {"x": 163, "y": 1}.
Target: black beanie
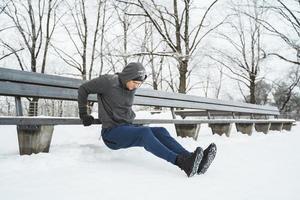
{"x": 133, "y": 71}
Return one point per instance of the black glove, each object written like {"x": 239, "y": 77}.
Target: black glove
{"x": 86, "y": 119}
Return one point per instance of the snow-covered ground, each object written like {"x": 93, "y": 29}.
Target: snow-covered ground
{"x": 79, "y": 166}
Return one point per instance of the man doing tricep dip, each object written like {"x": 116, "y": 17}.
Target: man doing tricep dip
{"x": 115, "y": 94}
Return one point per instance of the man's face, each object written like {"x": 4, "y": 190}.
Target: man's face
{"x": 131, "y": 85}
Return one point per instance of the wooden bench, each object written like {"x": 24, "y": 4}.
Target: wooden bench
{"x": 35, "y": 133}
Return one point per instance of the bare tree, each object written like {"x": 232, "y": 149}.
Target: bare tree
{"x": 102, "y": 36}
{"x": 155, "y": 62}
{"x": 287, "y": 12}
{"x": 126, "y": 22}
{"x": 102, "y": 20}
{"x": 78, "y": 15}
{"x": 12, "y": 51}
{"x": 78, "y": 33}
{"x": 171, "y": 80}
{"x": 262, "y": 91}
{"x": 285, "y": 89}
{"x": 130, "y": 39}
{"x": 2, "y": 7}
{"x": 244, "y": 61}
{"x": 29, "y": 24}
{"x": 170, "y": 21}
{"x": 5, "y": 45}
{"x": 31, "y": 20}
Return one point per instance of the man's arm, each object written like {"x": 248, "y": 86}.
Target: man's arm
{"x": 94, "y": 86}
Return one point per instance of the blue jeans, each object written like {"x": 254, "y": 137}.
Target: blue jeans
{"x": 156, "y": 140}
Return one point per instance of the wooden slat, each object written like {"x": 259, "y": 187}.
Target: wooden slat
{"x": 76, "y": 121}
{"x": 41, "y": 121}
{"x": 48, "y": 92}
{"x": 59, "y": 81}
{"x": 16, "y": 89}
{"x": 57, "y": 87}
{"x": 198, "y": 105}
{"x": 192, "y": 98}
{"x": 205, "y": 121}
{"x": 38, "y": 78}
{"x": 203, "y": 113}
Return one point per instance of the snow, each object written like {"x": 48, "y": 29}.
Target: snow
{"x": 79, "y": 166}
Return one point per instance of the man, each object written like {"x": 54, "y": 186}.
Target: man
{"x": 115, "y": 98}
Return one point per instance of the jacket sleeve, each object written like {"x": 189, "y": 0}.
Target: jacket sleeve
{"x": 95, "y": 86}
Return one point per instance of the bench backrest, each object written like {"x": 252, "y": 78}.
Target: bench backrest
{"x": 29, "y": 84}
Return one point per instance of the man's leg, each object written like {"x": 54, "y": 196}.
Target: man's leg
{"x": 130, "y": 136}
{"x": 165, "y": 138}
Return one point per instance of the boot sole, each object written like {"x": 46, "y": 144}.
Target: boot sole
{"x": 196, "y": 162}
{"x": 210, "y": 157}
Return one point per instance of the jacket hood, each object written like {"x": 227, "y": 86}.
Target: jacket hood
{"x": 133, "y": 71}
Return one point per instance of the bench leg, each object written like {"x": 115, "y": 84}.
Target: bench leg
{"x": 276, "y": 126}
{"x": 287, "y": 126}
{"x": 188, "y": 130}
{"x": 245, "y": 128}
{"x": 34, "y": 139}
{"x": 221, "y": 128}
{"x": 263, "y": 127}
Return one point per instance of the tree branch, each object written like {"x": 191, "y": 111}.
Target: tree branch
{"x": 285, "y": 59}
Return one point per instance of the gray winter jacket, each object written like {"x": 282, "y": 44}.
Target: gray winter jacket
{"x": 114, "y": 99}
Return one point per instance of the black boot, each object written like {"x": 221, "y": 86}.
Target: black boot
{"x": 208, "y": 156}
{"x": 190, "y": 163}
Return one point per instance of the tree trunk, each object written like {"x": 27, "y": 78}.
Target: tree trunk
{"x": 182, "y": 72}
{"x": 252, "y": 89}
{"x": 84, "y": 41}
{"x": 102, "y": 39}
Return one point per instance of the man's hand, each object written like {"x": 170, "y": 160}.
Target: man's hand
{"x": 86, "y": 119}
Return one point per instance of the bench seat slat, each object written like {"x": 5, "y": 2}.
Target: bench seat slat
{"x": 38, "y": 78}
{"x": 203, "y": 113}
{"x": 28, "y": 90}
{"x": 205, "y": 106}
{"x": 77, "y": 121}
{"x": 192, "y": 98}
{"x": 16, "y": 89}
{"x": 65, "y": 82}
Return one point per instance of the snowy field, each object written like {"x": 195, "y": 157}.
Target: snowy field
{"x": 79, "y": 166}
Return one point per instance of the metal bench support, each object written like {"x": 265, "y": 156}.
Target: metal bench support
{"x": 188, "y": 130}
{"x": 276, "y": 126}
{"x": 220, "y": 129}
{"x": 287, "y": 126}
{"x": 263, "y": 127}
{"x": 34, "y": 138}
{"x": 245, "y": 128}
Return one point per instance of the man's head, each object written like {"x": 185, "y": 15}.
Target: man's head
{"x": 133, "y": 75}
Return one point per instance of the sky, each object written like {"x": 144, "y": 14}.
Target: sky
{"x": 273, "y": 67}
